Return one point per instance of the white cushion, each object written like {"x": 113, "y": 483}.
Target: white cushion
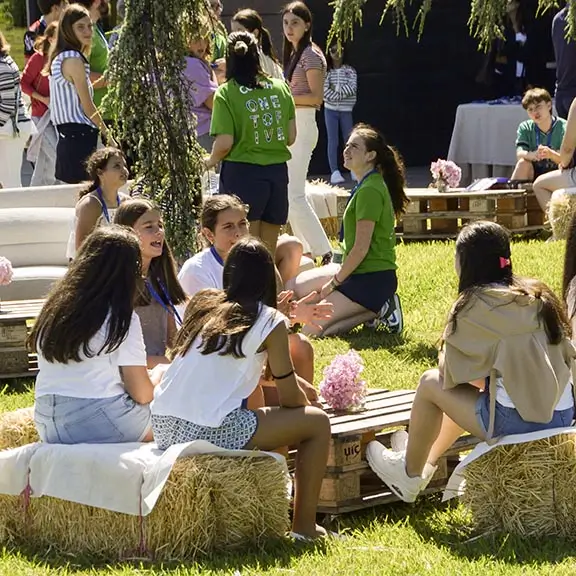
{"x": 31, "y": 282}
{"x": 35, "y": 236}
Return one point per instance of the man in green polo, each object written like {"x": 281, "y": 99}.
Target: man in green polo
{"x": 98, "y": 9}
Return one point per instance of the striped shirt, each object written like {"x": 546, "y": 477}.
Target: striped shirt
{"x": 10, "y": 94}
{"x": 65, "y": 106}
{"x": 311, "y": 59}
{"x": 340, "y": 89}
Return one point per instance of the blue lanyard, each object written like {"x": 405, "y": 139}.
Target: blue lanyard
{"x": 170, "y": 308}
{"x": 217, "y": 256}
{"x": 103, "y": 203}
{"x": 354, "y": 190}
{"x": 548, "y": 137}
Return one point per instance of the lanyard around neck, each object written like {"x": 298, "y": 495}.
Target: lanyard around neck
{"x": 354, "y": 190}
{"x": 216, "y": 255}
{"x": 105, "y": 212}
{"x": 548, "y": 134}
{"x": 166, "y": 303}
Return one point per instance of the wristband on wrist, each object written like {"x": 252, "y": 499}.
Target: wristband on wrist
{"x": 335, "y": 279}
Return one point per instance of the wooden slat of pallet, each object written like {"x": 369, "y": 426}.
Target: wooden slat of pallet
{"x": 369, "y": 424}
{"x": 414, "y": 194}
{"x": 385, "y": 409}
{"x": 373, "y": 396}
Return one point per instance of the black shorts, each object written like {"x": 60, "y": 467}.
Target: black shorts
{"x": 543, "y": 167}
{"x": 76, "y": 142}
{"x": 371, "y": 289}
{"x": 263, "y": 188}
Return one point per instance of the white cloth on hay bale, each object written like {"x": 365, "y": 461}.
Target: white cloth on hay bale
{"x": 457, "y": 483}
{"x": 126, "y": 478}
{"x": 324, "y": 198}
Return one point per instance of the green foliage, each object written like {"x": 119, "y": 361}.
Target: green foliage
{"x": 485, "y": 22}
{"x": 18, "y": 12}
{"x": 147, "y": 95}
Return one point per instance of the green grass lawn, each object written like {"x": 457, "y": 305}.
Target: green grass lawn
{"x": 15, "y": 37}
{"x": 425, "y": 539}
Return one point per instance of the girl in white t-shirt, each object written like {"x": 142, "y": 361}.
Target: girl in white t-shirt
{"x": 218, "y": 357}
{"x": 100, "y": 198}
{"x": 159, "y": 292}
{"x": 92, "y": 385}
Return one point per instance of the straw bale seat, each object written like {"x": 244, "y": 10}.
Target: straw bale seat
{"x": 561, "y": 209}
{"x": 17, "y": 428}
{"x": 525, "y": 489}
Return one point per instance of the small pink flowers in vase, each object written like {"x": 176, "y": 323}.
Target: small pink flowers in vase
{"x": 446, "y": 175}
{"x": 342, "y": 387}
{"x": 6, "y": 272}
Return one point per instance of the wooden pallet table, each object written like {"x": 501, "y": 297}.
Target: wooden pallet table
{"x": 16, "y": 319}
{"x": 434, "y": 215}
{"x": 349, "y": 483}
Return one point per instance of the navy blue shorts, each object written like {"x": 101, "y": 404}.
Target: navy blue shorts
{"x": 263, "y": 188}
{"x": 371, "y": 289}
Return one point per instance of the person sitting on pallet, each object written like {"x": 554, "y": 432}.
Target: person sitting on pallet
{"x": 364, "y": 287}
{"x": 505, "y": 366}
{"x": 217, "y": 360}
{"x": 224, "y": 221}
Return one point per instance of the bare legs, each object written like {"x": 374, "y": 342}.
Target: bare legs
{"x": 288, "y": 256}
{"x": 309, "y": 428}
{"x": 524, "y": 170}
{"x": 548, "y": 183}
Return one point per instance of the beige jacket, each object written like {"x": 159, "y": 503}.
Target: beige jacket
{"x": 499, "y": 334}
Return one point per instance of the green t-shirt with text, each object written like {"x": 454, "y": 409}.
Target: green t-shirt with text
{"x": 372, "y": 201}
{"x": 258, "y": 119}
{"x": 99, "y": 61}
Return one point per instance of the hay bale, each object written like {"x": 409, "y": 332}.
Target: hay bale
{"x": 17, "y": 428}
{"x": 208, "y": 504}
{"x": 561, "y": 209}
{"x": 525, "y": 489}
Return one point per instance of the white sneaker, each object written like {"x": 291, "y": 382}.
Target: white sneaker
{"x": 337, "y": 177}
{"x": 390, "y": 467}
{"x": 390, "y": 318}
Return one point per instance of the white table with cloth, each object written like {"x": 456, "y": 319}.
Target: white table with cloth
{"x": 483, "y": 139}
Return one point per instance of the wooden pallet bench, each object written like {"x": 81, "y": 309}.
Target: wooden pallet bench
{"x": 16, "y": 319}
{"x": 433, "y": 215}
{"x": 349, "y": 483}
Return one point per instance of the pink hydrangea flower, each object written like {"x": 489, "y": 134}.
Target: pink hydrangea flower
{"x": 447, "y": 171}
{"x": 5, "y": 271}
{"x": 342, "y": 387}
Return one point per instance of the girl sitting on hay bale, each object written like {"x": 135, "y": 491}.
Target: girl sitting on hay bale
{"x": 362, "y": 288}
{"x": 160, "y": 292}
{"x": 218, "y": 358}
{"x": 224, "y": 222}
{"x": 505, "y": 366}
{"x": 92, "y": 385}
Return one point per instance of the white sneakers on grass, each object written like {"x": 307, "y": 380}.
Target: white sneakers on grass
{"x": 390, "y": 467}
{"x": 337, "y": 177}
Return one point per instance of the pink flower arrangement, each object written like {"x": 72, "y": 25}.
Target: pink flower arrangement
{"x": 5, "y": 271}
{"x": 446, "y": 170}
{"x": 342, "y": 387}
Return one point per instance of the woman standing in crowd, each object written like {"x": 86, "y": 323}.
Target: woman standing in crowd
{"x": 201, "y": 83}
{"x": 304, "y": 69}
{"x": 505, "y": 365}
{"x": 340, "y": 88}
{"x": 253, "y": 122}
{"x": 225, "y": 341}
{"x": 160, "y": 292}
{"x": 366, "y": 281}
{"x": 99, "y": 200}
{"x": 15, "y": 125}
{"x": 42, "y": 151}
{"x": 92, "y": 385}
{"x": 248, "y": 20}
{"x": 72, "y": 108}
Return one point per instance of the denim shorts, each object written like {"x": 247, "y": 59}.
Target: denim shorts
{"x": 508, "y": 421}
{"x": 67, "y": 420}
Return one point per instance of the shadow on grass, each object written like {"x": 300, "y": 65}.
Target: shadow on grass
{"x": 16, "y": 385}
{"x": 273, "y": 554}
{"x": 369, "y": 339}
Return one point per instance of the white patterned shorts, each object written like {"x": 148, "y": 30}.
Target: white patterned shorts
{"x": 236, "y": 430}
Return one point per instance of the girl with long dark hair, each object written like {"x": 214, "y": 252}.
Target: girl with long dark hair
{"x": 253, "y": 121}
{"x": 366, "y": 282}
{"x": 217, "y": 360}
{"x": 504, "y": 367}
{"x": 93, "y": 385}
{"x": 305, "y": 70}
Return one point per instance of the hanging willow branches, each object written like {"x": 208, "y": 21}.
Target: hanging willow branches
{"x": 148, "y": 99}
{"x": 485, "y": 22}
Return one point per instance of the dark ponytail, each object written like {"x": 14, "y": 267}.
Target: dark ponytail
{"x": 243, "y": 60}
{"x": 95, "y": 163}
{"x": 266, "y": 44}
{"x": 388, "y": 162}
{"x": 252, "y": 21}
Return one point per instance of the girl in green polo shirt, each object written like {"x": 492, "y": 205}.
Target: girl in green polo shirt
{"x": 253, "y": 121}
{"x": 367, "y": 278}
